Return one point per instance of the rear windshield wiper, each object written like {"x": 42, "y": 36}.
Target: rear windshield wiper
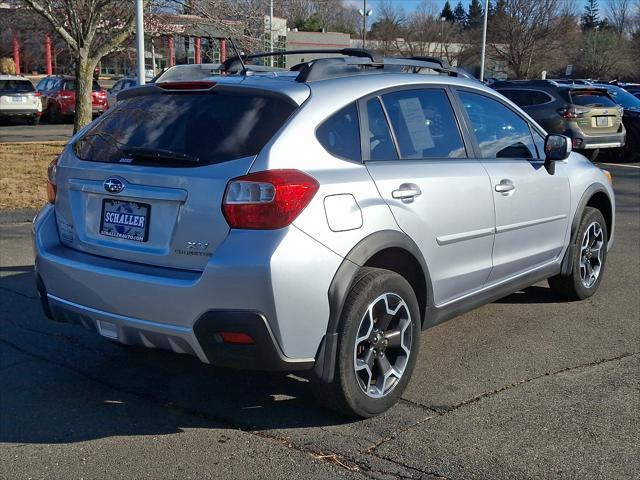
{"x": 141, "y": 153}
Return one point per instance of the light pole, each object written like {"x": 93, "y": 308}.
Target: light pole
{"x": 484, "y": 39}
{"x": 140, "y": 41}
{"x": 271, "y": 30}
{"x": 365, "y": 13}
{"x": 442, "y": 20}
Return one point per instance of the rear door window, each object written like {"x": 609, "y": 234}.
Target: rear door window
{"x": 207, "y": 128}
{"x": 340, "y": 133}
{"x": 381, "y": 146}
{"x": 424, "y": 124}
{"x": 70, "y": 86}
{"x": 500, "y": 133}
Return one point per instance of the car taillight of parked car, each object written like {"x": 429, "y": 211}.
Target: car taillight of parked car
{"x": 52, "y": 187}
{"x": 65, "y": 95}
{"x": 267, "y": 200}
{"x": 573, "y": 112}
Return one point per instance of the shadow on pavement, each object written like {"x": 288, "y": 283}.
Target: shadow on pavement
{"x": 63, "y": 384}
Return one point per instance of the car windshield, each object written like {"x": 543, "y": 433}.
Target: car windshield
{"x": 591, "y": 98}
{"x": 16, "y": 86}
{"x": 209, "y": 127}
{"x": 624, "y": 98}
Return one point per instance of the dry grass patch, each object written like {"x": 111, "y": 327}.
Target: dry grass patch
{"x": 23, "y": 173}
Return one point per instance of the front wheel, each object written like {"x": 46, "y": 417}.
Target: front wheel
{"x": 379, "y": 340}
{"x": 588, "y": 260}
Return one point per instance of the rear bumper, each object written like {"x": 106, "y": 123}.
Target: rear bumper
{"x": 603, "y": 141}
{"x": 251, "y": 285}
{"x": 20, "y": 112}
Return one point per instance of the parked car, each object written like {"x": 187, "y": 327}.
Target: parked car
{"x": 586, "y": 114}
{"x": 18, "y": 99}
{"x": 59, "y": 97}
{"x": 118, "y": 87}
{"x": 630, "y": 118}
{"x": 317, "y": 220}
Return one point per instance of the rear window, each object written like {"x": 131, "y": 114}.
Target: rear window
{"x": 70, "y": 85}
{"x": 16, "y": 86}
{"x": 209, "y": 128}
{"x": 588, "y": 98}
{"x": 526, "y": 98}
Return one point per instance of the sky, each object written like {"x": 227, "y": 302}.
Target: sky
{"x": 410, "y": 5}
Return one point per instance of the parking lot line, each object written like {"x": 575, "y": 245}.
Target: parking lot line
{"x": 619, "y": 165}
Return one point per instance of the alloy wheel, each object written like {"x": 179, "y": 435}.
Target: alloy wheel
{"x": 383, "y": 345}
{"x": 591, "y": 251}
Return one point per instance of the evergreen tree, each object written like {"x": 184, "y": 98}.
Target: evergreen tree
{"x": 500, "y": 8}
{"x": 459, "y": 15}
{"x": 447, "y": 12}
{"x": 474, "y": 17}
{"x": 591, "y": 17}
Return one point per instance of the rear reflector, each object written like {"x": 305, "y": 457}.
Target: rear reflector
{"x": 267, "y": 200}
{"x": 186, "y": 85}
{"x": 236, "y": 337}
{"x": 52, "y": 188}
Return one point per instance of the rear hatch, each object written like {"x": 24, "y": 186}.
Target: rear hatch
{"x": 145, "y": 183}
{"x": 18, "y": 95}
{"x": 600, "y": 115}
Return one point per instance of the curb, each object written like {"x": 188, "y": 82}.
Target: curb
{"x": 21, "y": 215}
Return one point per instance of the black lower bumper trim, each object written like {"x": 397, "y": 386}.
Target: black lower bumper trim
{"x": 264, "y": 354}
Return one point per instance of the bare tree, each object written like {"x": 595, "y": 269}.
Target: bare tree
{"x": 619, "y": 14}
{"x": 389, "y": 27}
{"x": 528, "y": 34}
{"x": 92, "y": 29}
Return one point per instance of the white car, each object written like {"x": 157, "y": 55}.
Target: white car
{"x": 19, "y": 99}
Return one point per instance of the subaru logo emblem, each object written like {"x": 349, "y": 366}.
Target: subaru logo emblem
{"x": 113, "y": 185}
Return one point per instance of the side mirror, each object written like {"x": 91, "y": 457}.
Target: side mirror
{"x": 556, "y": 148}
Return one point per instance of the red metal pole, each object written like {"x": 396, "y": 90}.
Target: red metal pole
{"x": 197, "y": 48}
{"x": 172, "y": 57}
{"x": 47, "y": 54}
{"x": 16, "y": 52}
{"x": 223, "y": 49}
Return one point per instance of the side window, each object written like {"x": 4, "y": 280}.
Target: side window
{"x": 424, "y": 124}
{"x": 381, "y": 145}
{"x": 340, "y": 133}
{"x": 499, "y": 131}
{"x": 539, "y": 98}
{"x": 519, "y": 97}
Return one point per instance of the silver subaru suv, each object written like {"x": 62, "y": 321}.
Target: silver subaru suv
{"x": 315, "y": 219}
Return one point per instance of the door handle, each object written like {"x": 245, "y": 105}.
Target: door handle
{"x": 406, "y": 192}
{"x": 505, "y": 187}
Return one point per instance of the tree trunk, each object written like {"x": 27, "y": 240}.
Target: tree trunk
{"x": 84, "y": 84}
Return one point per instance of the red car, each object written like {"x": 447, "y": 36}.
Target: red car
{"x": 59, "y": 97}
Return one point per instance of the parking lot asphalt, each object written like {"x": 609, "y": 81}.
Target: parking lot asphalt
{"x": 527, "y": 387}
{"x": 44, "y": 132}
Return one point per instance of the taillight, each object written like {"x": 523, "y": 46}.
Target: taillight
{"x": 52, "y": 188}
{"x": 37, "y": 94}
{"x": 267, "y": 200}
{"x": 65, "y": 95}
{"x": 573, "y": 112}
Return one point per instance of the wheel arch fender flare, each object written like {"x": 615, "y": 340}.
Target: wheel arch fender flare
{"x": 343, "y": 280}
{"x": 593, "y": 189}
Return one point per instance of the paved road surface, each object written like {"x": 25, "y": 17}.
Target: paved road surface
{"x": 527, "y": 387}
{"x": 21, "y": 132}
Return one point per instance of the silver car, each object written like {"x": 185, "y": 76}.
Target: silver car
{"x": 314, "y": 220}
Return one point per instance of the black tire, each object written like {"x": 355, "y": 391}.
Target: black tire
{"x": 34, "y": 121}
{"x": 571, "y": 286}
{"x": 345, "y": 394}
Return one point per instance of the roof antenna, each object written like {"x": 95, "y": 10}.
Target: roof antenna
{"x": 237, "y": 52}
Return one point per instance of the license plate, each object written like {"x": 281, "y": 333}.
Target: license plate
{"x": 18, "y": 99}
{"x": 602, "y": 121}
{"x": 126, "y": 220}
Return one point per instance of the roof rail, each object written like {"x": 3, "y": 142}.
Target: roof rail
{"x": 351, "y": 61}
{"x": 232, "y": 63}
{"x": 534, "y": 82}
